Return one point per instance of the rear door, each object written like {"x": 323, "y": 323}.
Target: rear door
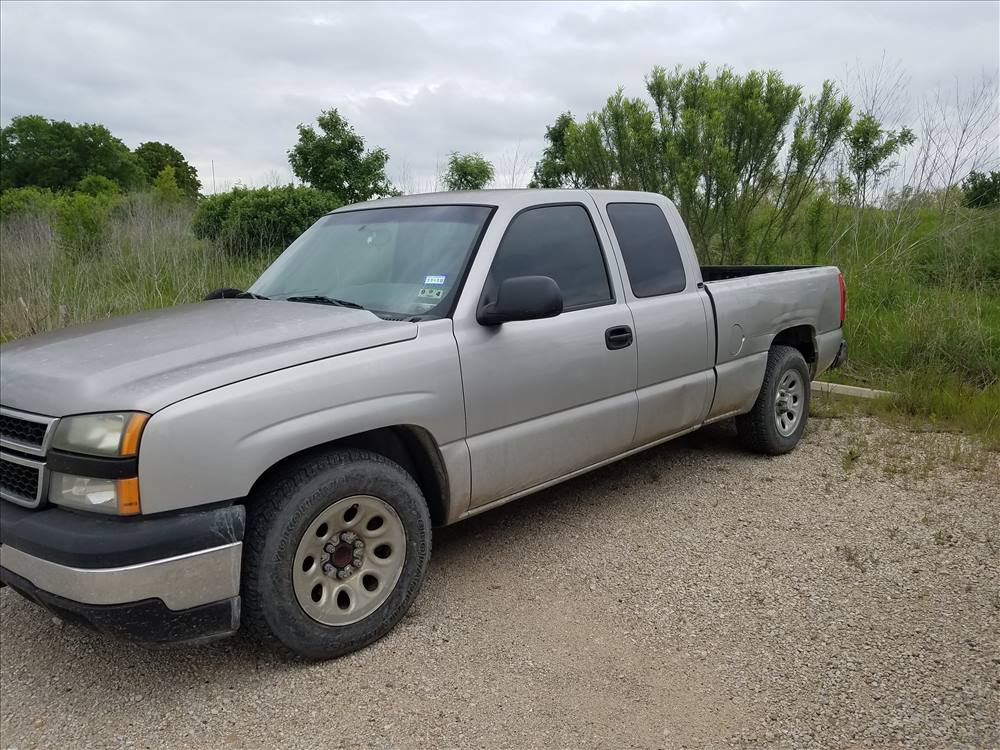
{"x": 545, "y": 398}
{"x": 673, "y": 320}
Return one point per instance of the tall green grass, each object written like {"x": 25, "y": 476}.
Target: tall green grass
{"x": 149, "y": 258}
{"x": 923, "y": 311}
{"x": 923, "y": 290}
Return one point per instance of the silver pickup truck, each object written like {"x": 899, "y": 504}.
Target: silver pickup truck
{"x": 277, "y": 458}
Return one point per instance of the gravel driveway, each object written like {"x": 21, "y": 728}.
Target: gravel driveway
{"x": 846, "y": 595}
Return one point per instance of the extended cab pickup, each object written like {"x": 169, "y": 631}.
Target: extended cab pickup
{"x": 277, "y": 458}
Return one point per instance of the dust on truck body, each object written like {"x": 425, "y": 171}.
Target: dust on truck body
{"x": 277, "y": 459}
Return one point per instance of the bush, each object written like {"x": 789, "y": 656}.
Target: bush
{"x": 980, "y": 190}
{"x": 81, "y": 224}
{"x": 98, "y": 184}
{"x": 26, "y": 200}
{"x": 248, "y": 221}
{"x": 165, "y": 187}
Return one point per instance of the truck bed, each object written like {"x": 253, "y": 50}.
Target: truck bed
{"x": 721, "y": 273}
{"x": 751, "y": 304}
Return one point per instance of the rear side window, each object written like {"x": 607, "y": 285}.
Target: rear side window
{"x": 559, "y": 242}
{"x": 651, "y": 256}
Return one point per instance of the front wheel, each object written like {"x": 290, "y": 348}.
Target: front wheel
{"x": 335, "y": 552}
{"x": 778, "y": 418}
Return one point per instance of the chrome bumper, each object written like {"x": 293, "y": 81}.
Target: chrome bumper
{"x": 180, "y": 582}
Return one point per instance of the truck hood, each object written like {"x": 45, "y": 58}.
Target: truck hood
{"x": 147, "y": 361}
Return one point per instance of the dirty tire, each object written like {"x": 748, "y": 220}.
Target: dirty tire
{"x": 758, "y": 428}
{"x": 279, "y": 513}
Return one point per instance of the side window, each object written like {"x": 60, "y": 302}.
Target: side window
{"x": 559, "y": 242}
{"x": 648, "y": 246}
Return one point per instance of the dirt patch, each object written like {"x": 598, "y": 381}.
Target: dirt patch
{"x": 846, "y": 595}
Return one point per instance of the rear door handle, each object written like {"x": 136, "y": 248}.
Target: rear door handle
{"x": 618, "y": 337}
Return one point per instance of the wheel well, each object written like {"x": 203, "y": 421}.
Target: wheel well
{"x": 801, "y": 338}
{"x": 410, "y": 446}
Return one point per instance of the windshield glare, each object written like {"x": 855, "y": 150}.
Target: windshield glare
{"x": 404, "y": 261}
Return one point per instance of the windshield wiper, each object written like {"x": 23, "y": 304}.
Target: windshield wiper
{"x": 321, "y": 300}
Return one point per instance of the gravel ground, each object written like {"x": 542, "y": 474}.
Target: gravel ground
{"x": 844, "y": 596}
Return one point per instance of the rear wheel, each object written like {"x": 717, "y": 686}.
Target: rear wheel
{"x": 335, "y": 552}
{"x": 778, "y": 418}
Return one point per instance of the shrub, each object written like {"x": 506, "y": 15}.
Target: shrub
{"x": 165, "y": 187}
{"x": 467, "y": 172}
{"x": 248, "y": 221}
{"x": 98, "y": 184}
{"x": 26, "y": 200}
{"x": 981, "y": 190}
{"x": 81, "y": 224}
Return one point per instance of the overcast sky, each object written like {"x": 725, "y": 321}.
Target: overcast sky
{"x": 229, "y": 82}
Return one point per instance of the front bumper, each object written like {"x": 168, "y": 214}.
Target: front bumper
{"x": 158, "y": 581}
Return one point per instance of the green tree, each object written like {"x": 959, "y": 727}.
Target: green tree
{"x": 552, "y": 170}
{"x": 153, "y": 156}
{"x": 467, "y": 172}
{"x": 165, "y": 187}
{"x": 980, "y": 190}
{"x": 617, "y": 147}
{"x": 335, "y": 161}
{"x": 869, "y": 150}
{"x": 57, "y": 155}
{"x": 737, "y": 154}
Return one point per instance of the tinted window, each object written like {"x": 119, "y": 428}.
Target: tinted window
{"x": 649, "y": 248}
{"x": 554, "y": 241}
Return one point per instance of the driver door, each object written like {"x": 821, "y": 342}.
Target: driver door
{"x": 545, "y": 398}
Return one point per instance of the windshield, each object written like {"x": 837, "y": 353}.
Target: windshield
{"x": 404, "y": 261}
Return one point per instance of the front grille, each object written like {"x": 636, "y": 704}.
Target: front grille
{"x": 24, "y": 438}
{"x": 19, "y": 482}
{"x": 22, "y": 431}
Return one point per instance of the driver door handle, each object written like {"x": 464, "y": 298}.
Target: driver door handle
{"x": 618, "y": 337}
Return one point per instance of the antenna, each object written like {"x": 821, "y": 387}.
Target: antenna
{"x": 213, "y": 176}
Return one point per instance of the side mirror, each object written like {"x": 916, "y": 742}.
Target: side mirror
{"x": 522, "y": 298}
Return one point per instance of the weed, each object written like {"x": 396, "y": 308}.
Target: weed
{"x": 851, "y": 456}
{"x": 856, "y": 558}
{"x": 945, "y": 538}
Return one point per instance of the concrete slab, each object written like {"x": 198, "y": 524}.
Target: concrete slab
{"x": 849, "y": 390}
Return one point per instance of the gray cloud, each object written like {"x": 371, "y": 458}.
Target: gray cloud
{"x": 228, "y": 82}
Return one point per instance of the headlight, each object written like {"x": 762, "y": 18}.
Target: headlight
{"x": 113, "y": 434}
{"x": 116, "y": 496}
{"x": 94, "y": 464}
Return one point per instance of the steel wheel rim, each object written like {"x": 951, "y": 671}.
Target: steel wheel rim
{"x": 789, "y": 401}
{"x": 346, "y": 584}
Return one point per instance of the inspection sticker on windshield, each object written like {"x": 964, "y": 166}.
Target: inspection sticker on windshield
{"x": 438, "y": 280}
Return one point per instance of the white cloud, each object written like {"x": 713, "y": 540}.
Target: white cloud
{"x": 229, "y": 82}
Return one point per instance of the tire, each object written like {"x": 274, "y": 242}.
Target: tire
{"x": 778, "y": 418}
{"x": 295, "y": 546}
